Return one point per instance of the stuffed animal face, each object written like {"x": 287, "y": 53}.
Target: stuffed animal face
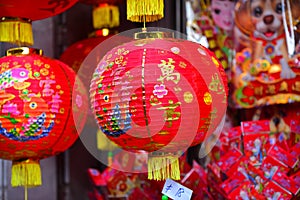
{"x": 267, "y": 18}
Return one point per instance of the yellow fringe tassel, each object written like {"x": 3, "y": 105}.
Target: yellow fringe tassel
{"x": 145, "y": 10}
{"x": 106, "y": 16}
{"x": 26, "y": 173}
{"x": 163, "y": 167}
{"x": 16, "y": 31}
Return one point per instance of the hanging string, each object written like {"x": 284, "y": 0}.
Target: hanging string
{"x": 144, "y": 16}
{"x": 25, "y": 193}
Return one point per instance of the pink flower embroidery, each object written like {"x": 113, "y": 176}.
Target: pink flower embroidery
{"x": 78, "y": 100}
{"x": 160, "y": 91}
{"x": 10, "y": 108}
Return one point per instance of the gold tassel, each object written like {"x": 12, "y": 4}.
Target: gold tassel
{"x": 106, "y": 16}
{"x": 163, "y": 166}
{"x": 145, "y": 10}
{"x": 26, "y": 173}
{"x": 17, "y": 31}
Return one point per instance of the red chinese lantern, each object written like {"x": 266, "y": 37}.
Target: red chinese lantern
{"x": 16, "y": 17}
{"x": 35, "y": 114}
{"x": 160, "y": 95}
{"x": 75, "y": 54}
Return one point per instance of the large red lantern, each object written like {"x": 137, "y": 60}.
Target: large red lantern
{"x": 17, "y": 15}
{"x": 160, "y": 95}
{"x": 35, "y": 114}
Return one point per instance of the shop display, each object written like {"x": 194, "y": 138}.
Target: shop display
{"x": 230, "y": 91}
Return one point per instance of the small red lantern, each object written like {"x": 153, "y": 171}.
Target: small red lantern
{"x": 160, "y": 96}
{"x": 75, "y": 54}
{"x": 17, "y": 15}
{"x": 35, "y": 114}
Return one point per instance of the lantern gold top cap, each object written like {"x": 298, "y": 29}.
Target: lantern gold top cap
{"x": 23, "y": 51}
{"x": 24, "y": 20}
{"x": 144, "y": 34}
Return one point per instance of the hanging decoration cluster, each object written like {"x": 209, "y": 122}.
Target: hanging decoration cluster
{"x": 35, "y": 111}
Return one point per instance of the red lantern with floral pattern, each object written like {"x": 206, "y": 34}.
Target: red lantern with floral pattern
{"x": 160, "y": 96}
{"x": 35, "y": 114}
{"x": 17, "y": 15}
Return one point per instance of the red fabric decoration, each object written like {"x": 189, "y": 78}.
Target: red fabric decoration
{"x": 158, "y": 95}
{"x": 17, "y": 15}
{"x": 34, "y": 9}
{"x": 35, "y": 114}
{"x": 75, "y": 54}
{"x": 96, "y": 2}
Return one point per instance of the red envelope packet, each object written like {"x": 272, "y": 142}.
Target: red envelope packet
{"x": 283, "y": 156}
{"x": 196, "y": 178}
{"x": 252, "y": 127}
{"x": 202, "y": 173}
{"x": 119, "y": 184}
{"x": 274, "y": 191}
{"x": 244, "y": 191}
{"x": 296, "y": 178}
{"x": 125, "y": 160}
{"x": 255, "y": 147}
{"x": 231, "y": 139}
{"x": 192, "y": 180}
{"x": 96, "y": 177}
{"x": 137, "y": 193}
{"x": 153, "y": 188}
{"x": 108, "y": 173}
{"x": 286, "y": 182}
{"x": 233, "y": 182}
{"x": 295, "y": 132}
{"x": 97, "y": 195}
{"x": 229, "y": 159}
{"x": 202, "y": 193}
{"x": 214, "y": 174}
{"x": 242, "y": 162}
{"x": 252, "y": 174}
{"x": 270, "y": 166}
{"x": 184, "y": 165}
{"x": 234, "y": 135}
{"x": 215, "y": 190}
{"x": 295, "y": 150}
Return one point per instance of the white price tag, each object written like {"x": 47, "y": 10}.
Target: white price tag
{"x": 176, "y": 191}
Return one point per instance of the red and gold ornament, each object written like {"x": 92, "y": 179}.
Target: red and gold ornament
{"x": 35, "y": 111}
{"x": 159, "y": 95}
{"x": 17, "y": 15}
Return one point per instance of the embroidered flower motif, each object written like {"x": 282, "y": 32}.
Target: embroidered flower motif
{"x": 175, "y": 50}
{"x": 10, "y": 108}
{"x": 78, "y": 100}
{"x": 160, "y": 91}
